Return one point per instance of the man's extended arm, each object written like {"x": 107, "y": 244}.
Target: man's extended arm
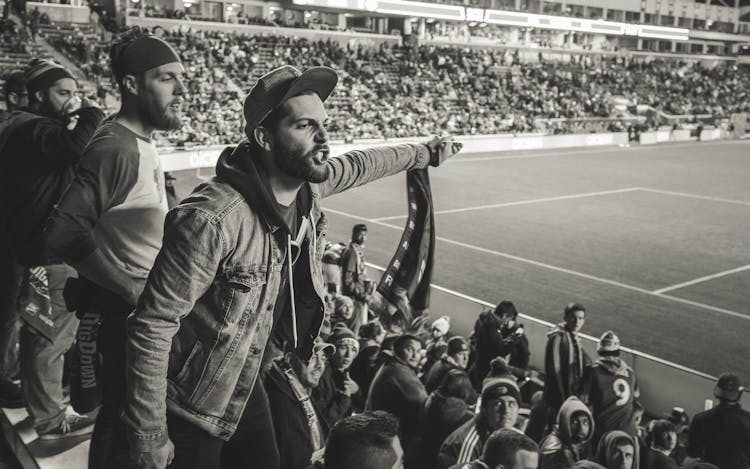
{"x": 359, "y": 167}
{"x": 184, "y": 270}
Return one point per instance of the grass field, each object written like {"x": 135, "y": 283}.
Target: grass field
{"x": 654, "y": 241}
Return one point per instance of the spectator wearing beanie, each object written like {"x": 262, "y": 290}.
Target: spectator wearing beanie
{"x": 456, "y": 358}
{"x": 721, "y": 435}
{"x": 610, "y": 389}
{"x": 436, "y": 342}
{"x": 446, "y": 409}
{"x": 343, "y": 313}
{"x": 41, "y": 146}
{"x": 564, "y": 360}
{"x": 367, "y": 361}
{"x": 397, "y": 389}
{"x": 498, "y": 334}
{"x": 570, "y": 440}
{"x": 333, "y": 395}
{"x": 663, "y": 440}
{"x": 618, "y": 450}
{"x": 681, "y": 421}
{"x": 500, "y": 402}
{"x": 299, "y": 427}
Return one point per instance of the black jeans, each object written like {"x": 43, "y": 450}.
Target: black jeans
{"x": 109, "y": 444}
{"x": 253, "y": 445}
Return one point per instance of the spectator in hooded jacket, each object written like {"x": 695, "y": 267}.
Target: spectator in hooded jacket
{"x": 446, "y": 409}
{"x": 662, "y": 441}
{"x": 498, "y": 334}
{"x": 300, "y": 428}
{"x": 397, "y": 389}
{"x": 721, "y": 435}
{"x": 610, "y": 388}
{"x": 570, "y": 440}
{"x": 618, "y": 450}
{"x": 334, "y": 392}
{"x": 456, "y": 358}
{"x": 367, "y": 361}
{"x": 500, "y": 402}
{"x": 564, "y": 359}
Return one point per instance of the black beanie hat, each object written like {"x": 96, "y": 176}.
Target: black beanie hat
{"x": 40, "y": 74}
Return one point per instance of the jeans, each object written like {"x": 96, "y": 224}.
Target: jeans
{"x": 10, "y": 284}
{"x": 42, "y": 359}
{"x": 252, "y": 445}
{"x": 109, "y": 445}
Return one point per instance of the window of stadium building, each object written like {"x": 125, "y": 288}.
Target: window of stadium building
{"x": 666, "y": 20}
{"x": 615, "y": 15}
{"x": 721, "y": 26}
{"x": 505, "y": 5}
{"x": 699, "y": 23}
{"x": 633, "y": 16}
{"x": 577, "y": 11}
{"x": 552, "y": 8}
{"x": 684, "y": 22}
{"x": 595, "y": 13}
{"x": 533, "y": 6}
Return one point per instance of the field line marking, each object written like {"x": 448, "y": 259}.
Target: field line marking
{"x": 522, "y": 202}
{"x": 553, "y": 267}
{"x": 696, "y": 196}
{"x": 702, "y": 279}
{"x": 582, "y": 151}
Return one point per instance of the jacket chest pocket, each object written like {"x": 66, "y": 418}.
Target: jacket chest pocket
{"x": 244, "y": 288}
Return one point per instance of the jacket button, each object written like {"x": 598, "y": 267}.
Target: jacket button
{"x": 269, "y": 307}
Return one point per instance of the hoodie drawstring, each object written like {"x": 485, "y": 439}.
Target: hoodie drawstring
{"x": 291, "y": 287}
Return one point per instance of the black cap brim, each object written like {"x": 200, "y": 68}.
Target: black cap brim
{"x": 320, "y": 80}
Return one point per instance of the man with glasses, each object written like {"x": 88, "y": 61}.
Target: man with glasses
{"x": 39, "y": 155}
{"x": 225, "y": 278}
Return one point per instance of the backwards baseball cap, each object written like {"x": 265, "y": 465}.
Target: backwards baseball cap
{"x": 280, "y": 84}
{"x": 40, "y": 74}
{"x": 609, "y": 343}
{"x": 728, "y": 387}
{"x": 324, "y": 347}
{"x": 144, "y": 53}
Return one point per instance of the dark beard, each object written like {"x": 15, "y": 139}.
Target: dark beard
{"x": 159, "y": 119}
{"x": 293, "y": 162}
{"x": 46, "y": 109}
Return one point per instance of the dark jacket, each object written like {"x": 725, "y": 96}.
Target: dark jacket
{"x": 437, "y": 372}
{"x": 39, "y": 157}
{"x": 440, "y": 417}
{"x": 559, "y": 451}
{"x": 362, "y": 371}
{"x": 492, "y": 341}
{"x": 464, "y": 445}
{"x": 290, "y": 423}
{"x": 564, "y": 362}
{"x": 329, "y": 396}
{"x": 721, "y": 436}
{"x": 207, "y": 311}
{"x": 396, "y": 389}
{"x": 659, "y": 460}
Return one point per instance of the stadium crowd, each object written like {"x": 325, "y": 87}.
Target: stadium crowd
{"x": 227, "y": 332}
{"x": 439, "y": 89}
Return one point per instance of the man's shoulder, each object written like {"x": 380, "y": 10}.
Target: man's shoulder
{"x": 459, "y": 434}
{"x": 216, "y": 199}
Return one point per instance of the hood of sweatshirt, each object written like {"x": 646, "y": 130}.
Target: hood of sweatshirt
{"x": 242, "y": 170}
{"x": 614, "y": 365}
{"x": 607, "y": 444}
{"x": 570, "y": 407}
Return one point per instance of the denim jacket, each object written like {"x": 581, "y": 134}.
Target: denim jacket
{"x": 206, "y": 313}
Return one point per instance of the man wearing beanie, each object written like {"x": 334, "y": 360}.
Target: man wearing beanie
{"x": 240, "y": 264}
{"x": 354, "y": 281}
{"x": 610, "y": 389}
{"x": 721, "y": 435}
{"x": 333, "y": 396}
{"x": 564, "y": 360}
{"x": 455, "y": 358}
{"x": 500, "y": 402}
{"x": 42, "y": 145}
{"x": 109, "y": 224}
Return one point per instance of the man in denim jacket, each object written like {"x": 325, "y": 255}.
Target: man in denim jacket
{"x": 241, "y": 256}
